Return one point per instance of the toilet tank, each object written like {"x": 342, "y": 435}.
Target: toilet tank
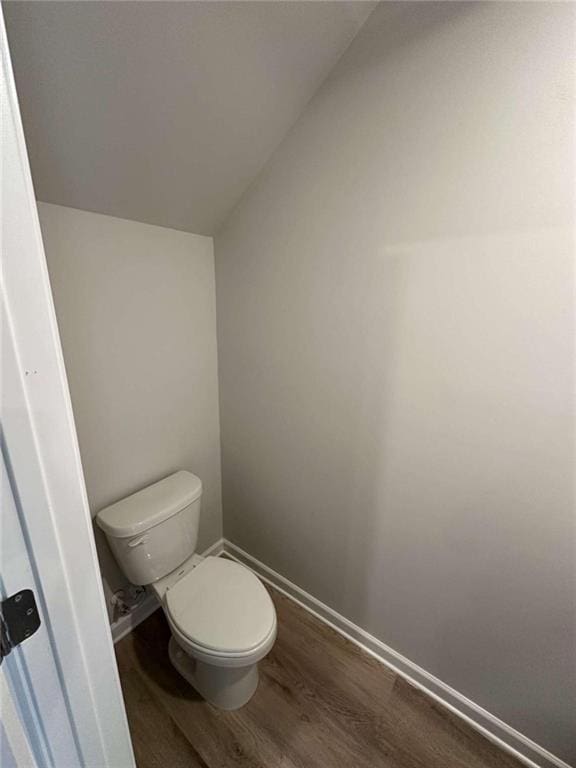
{"x": 155, "y": 530}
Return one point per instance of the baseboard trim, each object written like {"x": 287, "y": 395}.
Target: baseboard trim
{"x": 214, "y": 549}
{"x": 494, "y": 729}
{"x": 125, "y": 624}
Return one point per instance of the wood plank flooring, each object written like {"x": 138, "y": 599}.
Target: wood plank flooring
{"x": 321, "y": 703}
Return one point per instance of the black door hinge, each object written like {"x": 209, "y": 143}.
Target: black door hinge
{"x": 19, "y": 619}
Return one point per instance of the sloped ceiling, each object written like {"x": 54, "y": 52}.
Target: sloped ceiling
{"x": 164, "y": 112}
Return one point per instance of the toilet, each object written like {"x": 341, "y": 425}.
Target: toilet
{"x": 222, "y": 619}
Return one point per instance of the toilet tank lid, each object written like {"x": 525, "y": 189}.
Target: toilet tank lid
{"x": 150, "y": 506}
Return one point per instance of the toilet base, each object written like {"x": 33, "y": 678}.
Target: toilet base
{"x": 223, "y": 687}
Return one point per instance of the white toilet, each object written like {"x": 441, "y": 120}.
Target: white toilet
{"x": 221, "y": 616}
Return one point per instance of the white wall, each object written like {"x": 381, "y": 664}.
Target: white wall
{"x": 395, "y": 327}
{"x": 137, "y": 318}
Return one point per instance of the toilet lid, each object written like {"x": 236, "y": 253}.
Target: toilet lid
{"x": 222, "y": 606}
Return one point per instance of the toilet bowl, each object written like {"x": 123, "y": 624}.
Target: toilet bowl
{"x": 223, "y": 623}
{"x": 222, "y": 619}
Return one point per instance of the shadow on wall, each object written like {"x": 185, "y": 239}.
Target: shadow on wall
{"x": 404, "y": 482}
{"x": 396, "y": 339}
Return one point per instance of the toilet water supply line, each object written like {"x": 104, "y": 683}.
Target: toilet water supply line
{"x": 125, "y": 600}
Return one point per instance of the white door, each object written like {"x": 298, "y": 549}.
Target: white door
{"x": 60, "y": 698}
{"x": 15, "y": 751}
{"x": 36, "y": 727}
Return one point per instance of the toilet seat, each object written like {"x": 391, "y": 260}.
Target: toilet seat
{"x": 221, "y": 613}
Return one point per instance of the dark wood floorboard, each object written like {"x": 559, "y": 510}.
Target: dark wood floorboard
{"x": 321, "y": 703}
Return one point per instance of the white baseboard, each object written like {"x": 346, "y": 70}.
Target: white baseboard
{"x": 125, "y": 624}
{"x": 214, "y": 549}
{"x": 491, "y": 727}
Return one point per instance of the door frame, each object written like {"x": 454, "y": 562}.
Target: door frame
{"x": 40, "y": 439}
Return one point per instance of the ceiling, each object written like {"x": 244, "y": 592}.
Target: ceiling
{"x": 164, "y": 112}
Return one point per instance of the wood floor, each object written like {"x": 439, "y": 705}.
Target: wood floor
{"x": 321, "y": 703}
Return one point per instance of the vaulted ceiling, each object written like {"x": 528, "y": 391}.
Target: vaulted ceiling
{"x": 164, "y": 112}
